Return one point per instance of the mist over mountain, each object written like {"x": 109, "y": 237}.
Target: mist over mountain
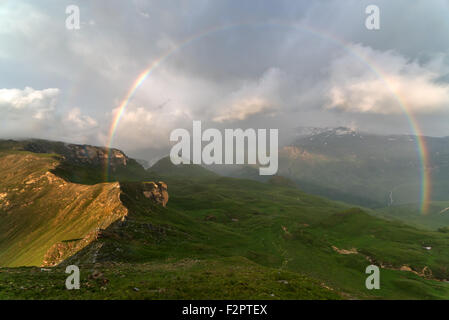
{"x": 357, "y": 167}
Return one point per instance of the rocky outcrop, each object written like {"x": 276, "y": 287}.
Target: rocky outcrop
{"x": 64, "y": 249}
{"x": 156, "y": 191}
{"x": 79, "y": 154}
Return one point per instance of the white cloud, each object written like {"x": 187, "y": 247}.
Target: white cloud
{"x": 170, "y": 99}
{"x": 75, "y": 126}
{"x": 79, "y": 120}
{"x": 167, "y": 99}
{"x": 38, "y": 104}
{"x": 31, "y": 113}
{"x": 387, "y": 82}
{"x": 243, "y": 108}
{"x": 261, "y": 96}
{"x": 140, "y": 127}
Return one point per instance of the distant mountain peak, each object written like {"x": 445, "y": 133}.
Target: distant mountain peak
{"x": 165, "y": 167}
{"x": 314, "y": 131}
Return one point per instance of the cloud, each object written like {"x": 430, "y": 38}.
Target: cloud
{"x": 261, "y": 75}
{"x": 252, "y": 98}
{"x": 171, "y": 99}
{"x": 38, "y": 104}
{"x": 31, "y": 113}
{"x": 141, "y": 127}
{"x": 74, "y": 126}
{"x": 10, "y": 22}
{"x": 388, "y": 83}
{"x": 80, "y": 121}
{"x": 242, "y": 109}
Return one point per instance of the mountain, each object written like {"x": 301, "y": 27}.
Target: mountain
{"x": 251, "y": 240}
{"x": 355, "y": 167}
{"x": 314, "y": 131}
{"x": 165, "y": 168}
{"x": 361, "y": 168}
{"x": 144, "y": 163}
{"x": 366, "y": 169}
{"x": 82, "y": 163}
{"x": 44, "y": 216}
{"x": 382, "y": 172}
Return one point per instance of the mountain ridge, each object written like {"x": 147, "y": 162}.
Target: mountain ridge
{"x": 214, "y": 232}
{"x": 50, "y": 217}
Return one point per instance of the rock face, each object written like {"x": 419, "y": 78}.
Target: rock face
{"x": 64, "y": 249}
{"x": 79, "y": 154}
{"x": 156, "y": 191}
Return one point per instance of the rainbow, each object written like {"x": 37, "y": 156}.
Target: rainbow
{"x": 425, "y": 190}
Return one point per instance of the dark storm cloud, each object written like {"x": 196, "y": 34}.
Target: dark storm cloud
{"x": 261, "y": 71}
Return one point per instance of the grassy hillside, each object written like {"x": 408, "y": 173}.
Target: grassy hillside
{"x": 437, "y": 216}
{"x": 279, "y": 228}
{"x": 39, "y": 210}
{"x": 223, "y": 278}
{"x": 164, "y": 167}
{"x": 217, "y": 238}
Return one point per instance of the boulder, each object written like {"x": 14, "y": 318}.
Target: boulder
{"x": 156, "y": 191}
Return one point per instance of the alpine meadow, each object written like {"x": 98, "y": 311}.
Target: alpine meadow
{"x": 210, "y": 157}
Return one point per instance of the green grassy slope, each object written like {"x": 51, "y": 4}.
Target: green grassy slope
{"x": 437, "y": 216}
{"x": 223, "y": 278}
{"x": 164, "y": 167}
{"x": 39, "y": 210}
{"x": 232, "y": 238}
{"x": 279, "y": 228}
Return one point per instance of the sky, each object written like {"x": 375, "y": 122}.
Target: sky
{"x": 231, "y": 64}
